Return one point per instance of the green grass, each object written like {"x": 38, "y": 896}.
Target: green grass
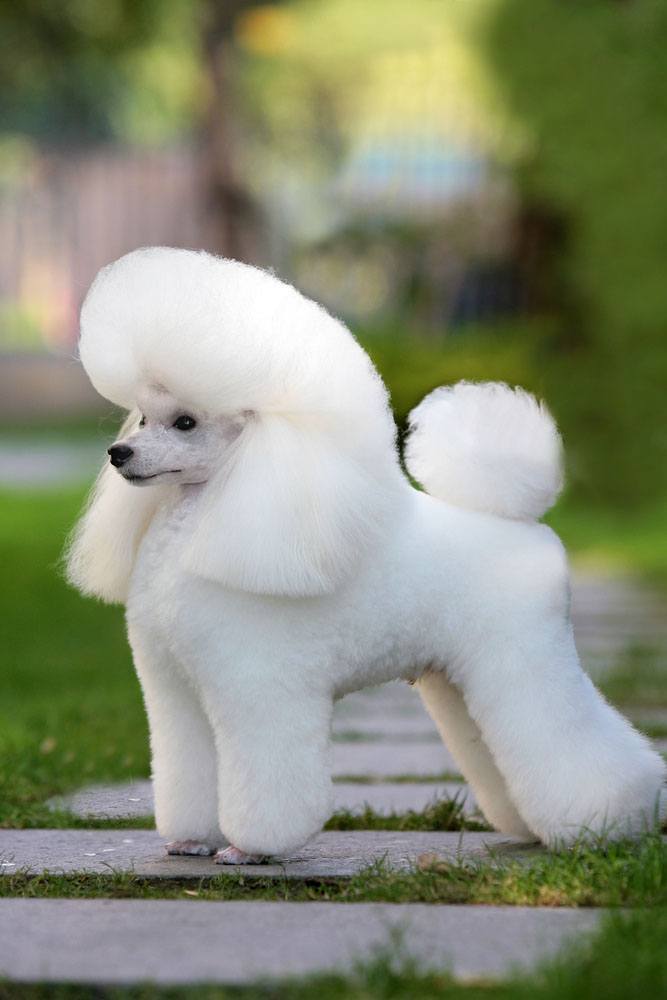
{"x": 654, "y": 730}
{"x": 441, "y": 814}
{"x": 616, "y": 539}
{"x": 70, "y": 708}
{"x": 88, "y": 427}
{"x": 639, "y": 678}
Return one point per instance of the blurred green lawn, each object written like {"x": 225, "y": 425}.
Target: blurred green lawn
{"x": 70, "y": 706}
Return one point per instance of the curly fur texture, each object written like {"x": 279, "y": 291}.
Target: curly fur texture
{"x": 272, "y": 557}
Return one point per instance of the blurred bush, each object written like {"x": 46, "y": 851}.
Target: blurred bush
{"x": 413, "y": 368}
{"x": 322, "y": 125}
{"x": 588, "y": 82}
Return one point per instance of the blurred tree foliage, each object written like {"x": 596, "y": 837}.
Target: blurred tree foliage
{"x": 319, "y": 75}
{"x": 143, "y": 71}
{"x": 76, "y": 71}
{"x": 571, "y": 95}
{"x": 588, "y": 80}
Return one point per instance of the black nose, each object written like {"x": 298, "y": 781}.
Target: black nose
{"x": 120, "y": 454}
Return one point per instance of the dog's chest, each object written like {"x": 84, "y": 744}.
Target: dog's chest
{"x": 157, "y": 588}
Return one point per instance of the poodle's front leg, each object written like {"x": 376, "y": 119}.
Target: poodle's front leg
{"x": 572, "y": 764}
{"x": 272, "y": 737}
{"x": 183, "y": 758}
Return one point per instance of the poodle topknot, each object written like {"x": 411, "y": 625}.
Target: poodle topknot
{"x": 272, "y": 556}
{"x": 229, "y": 339}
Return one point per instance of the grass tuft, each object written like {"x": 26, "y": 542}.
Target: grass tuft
{"x": 444, "y": 814}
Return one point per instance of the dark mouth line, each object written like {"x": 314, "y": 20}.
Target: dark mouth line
{"x": 132, "y": 479}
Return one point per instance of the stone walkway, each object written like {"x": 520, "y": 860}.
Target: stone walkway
{"x": 136, "y": 798}
{"x": 612, "y": 615}
{"x": 332, "y": 854}
{"x": 172, "y": 941}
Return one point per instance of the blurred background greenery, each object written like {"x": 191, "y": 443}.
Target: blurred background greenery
{"x": 476, "y": 186}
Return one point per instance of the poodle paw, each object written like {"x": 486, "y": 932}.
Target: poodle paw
{"x": 232, "y": 856}
{"x": 192, "y": 847}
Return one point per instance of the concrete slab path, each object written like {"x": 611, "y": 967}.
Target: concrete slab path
{"x": 383, "y": 760}
{"x": 118, "y": 942}
{"x": 329, "y": 855}
{"x": 135, "y": 798}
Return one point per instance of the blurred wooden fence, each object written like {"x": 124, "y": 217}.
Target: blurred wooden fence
{"x": 74, "y": 212}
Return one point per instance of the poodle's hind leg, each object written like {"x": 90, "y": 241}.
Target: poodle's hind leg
{"x": 572, "y": 764}
{"x": 182, "y": 751}
{"x": 272, "y": 737}
{"x": 463, "y": 738}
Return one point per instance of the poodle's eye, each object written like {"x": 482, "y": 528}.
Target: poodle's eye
{"x": 185, "y": 423}
{"x": 142, "y": 422}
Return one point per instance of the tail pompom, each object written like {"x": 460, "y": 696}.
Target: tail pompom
{"x": 486, "y": 447}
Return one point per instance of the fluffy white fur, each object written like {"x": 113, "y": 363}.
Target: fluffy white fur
{"x": 486, "y": 447}
{"x": 275, "y": 558}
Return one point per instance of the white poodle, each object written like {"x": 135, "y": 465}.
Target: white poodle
{"x": 277, "y": 558}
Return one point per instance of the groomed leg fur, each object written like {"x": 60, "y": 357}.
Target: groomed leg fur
{"x": 182, "y": 751}
{"x": 572, "y": 764}
{"x": 272, "y": 740}
{"x": 464, "y": 741}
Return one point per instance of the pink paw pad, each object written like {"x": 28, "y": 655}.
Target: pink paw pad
{"x": 233, "y": 856}
{"x": 194, "y": 848}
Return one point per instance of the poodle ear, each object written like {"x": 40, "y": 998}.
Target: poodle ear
{"x": 101, "y": 550}
{"x": 292, "y": 511}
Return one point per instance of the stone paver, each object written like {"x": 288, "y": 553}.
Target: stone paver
{"x": 383, "y": 760}
{"x": 136, "y": 798}
{"x": 329, "y": 855}
{"x": 389, "y": 797}
{"x": 173, "y": 941}
{"x": 47, "y": 464}
{"x": 378, "y": 729}
{"x": 396, "y": 704}
{"x": 612, "y": 614}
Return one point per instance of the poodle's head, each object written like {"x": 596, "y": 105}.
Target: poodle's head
{"x": 169, "y": 442}
{"x": 237, "y": 382}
